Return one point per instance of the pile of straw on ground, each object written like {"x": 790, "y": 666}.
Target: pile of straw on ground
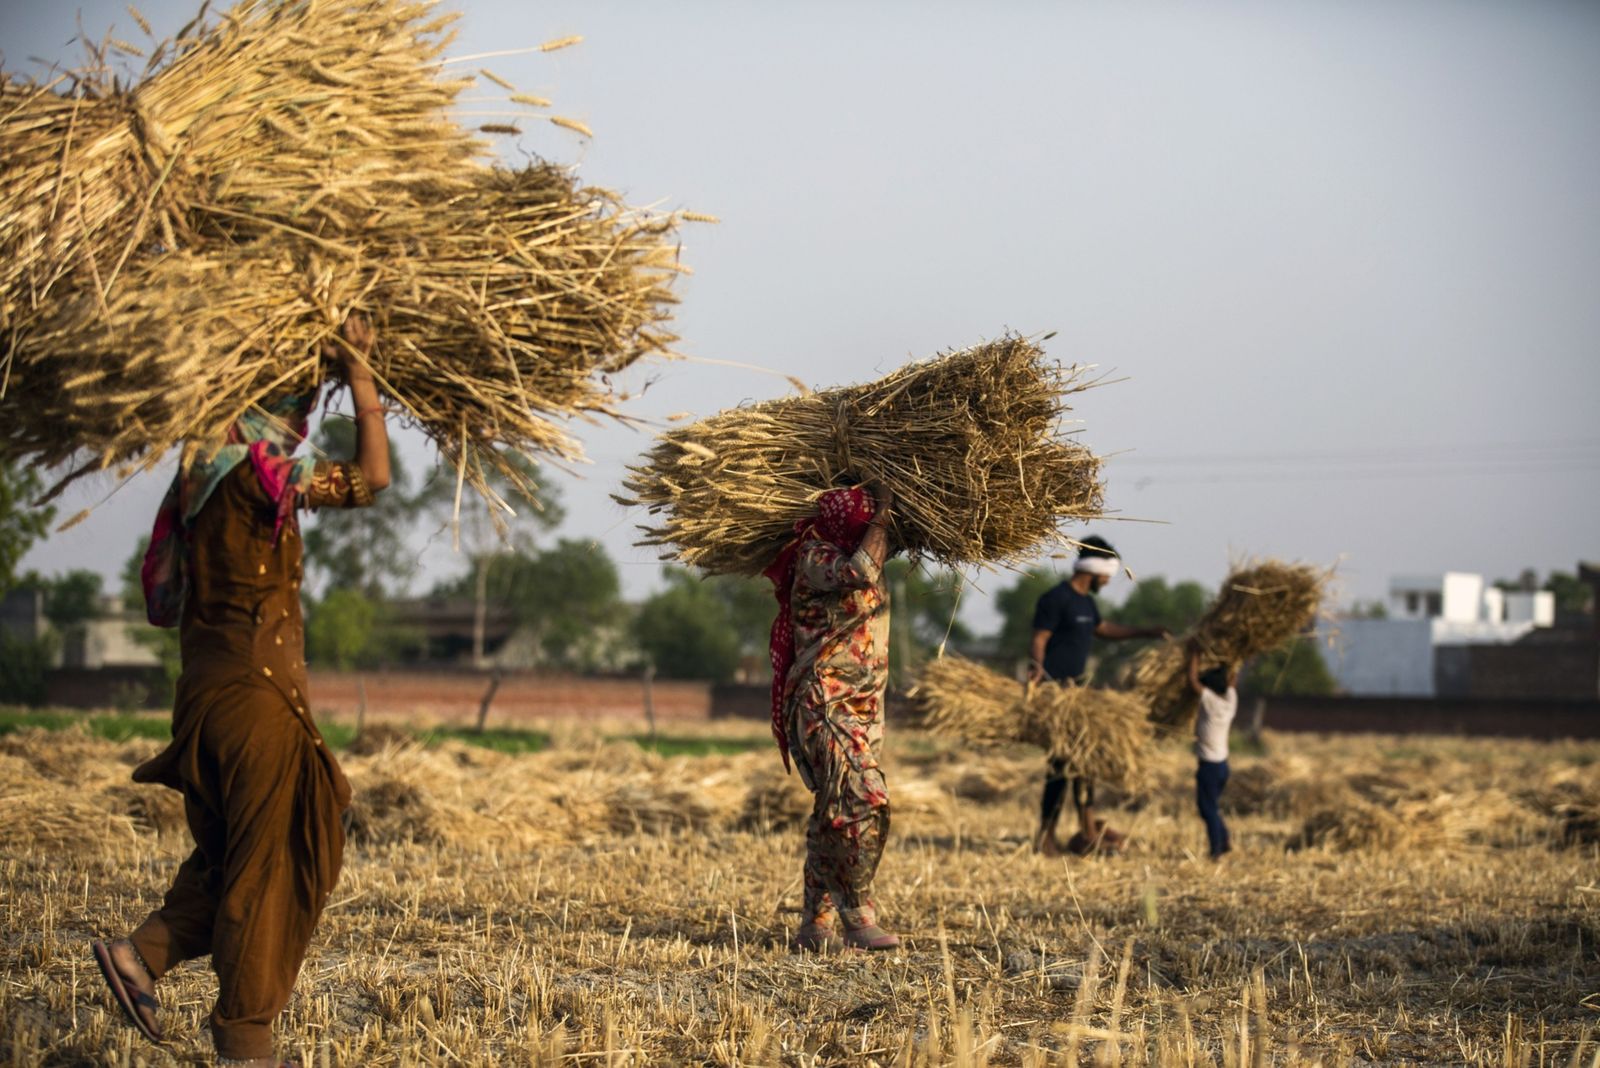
{"x": 970, "y": 442}
{"x": 1100, "y": 734}
{"x": 1262, "y": 606}
{"x": 174, "y": 251}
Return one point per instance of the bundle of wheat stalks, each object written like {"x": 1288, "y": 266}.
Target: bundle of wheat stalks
{"x": 1099, "y": 734}
{"x": 174, "y": 251}
{"x": 969, "y": 441}
{"x": 1262, "y": 606}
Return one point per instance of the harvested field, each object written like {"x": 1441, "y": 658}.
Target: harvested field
{"x": 595, "y": 903}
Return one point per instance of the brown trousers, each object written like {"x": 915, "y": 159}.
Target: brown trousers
{"x": 264, "y": 811}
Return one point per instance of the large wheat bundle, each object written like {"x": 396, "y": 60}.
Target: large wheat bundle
{"x": 959, "y": 698}
{"x": 173, "y": 252}
{"x": 1100, "y": 734}
{"x": 970, "y": 442}
{"x": 1262, "y": 606}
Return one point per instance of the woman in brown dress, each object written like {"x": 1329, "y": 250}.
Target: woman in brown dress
{"x": 263, "y": 796}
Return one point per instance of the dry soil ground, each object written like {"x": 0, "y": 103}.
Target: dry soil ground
{"x": 1389, "y": 901}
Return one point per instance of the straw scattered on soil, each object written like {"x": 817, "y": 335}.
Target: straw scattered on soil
{"x": 174, "y": 251}
{"x": 971, "y": 442}
{"x": 1262, "y": 606}
{"x": 521, "y": 926}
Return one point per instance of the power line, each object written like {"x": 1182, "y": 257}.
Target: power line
{"x": 1572, "y": 449}
{"x": 1372, "y": 474}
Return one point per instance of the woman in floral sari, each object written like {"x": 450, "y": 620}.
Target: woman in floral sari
{"x": 830, "y": 658}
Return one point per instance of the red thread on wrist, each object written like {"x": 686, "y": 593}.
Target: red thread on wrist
{"x": 378, "y": 408}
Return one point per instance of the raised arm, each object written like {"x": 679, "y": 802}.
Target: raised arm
{"x": 372, "y": 437}
{"x": 1118, "y": 632}
{"x": 876, "y": 543}
{"x": 1194, "y": 668}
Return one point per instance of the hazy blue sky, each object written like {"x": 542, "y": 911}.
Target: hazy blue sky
{"x": 1345, "y": 255}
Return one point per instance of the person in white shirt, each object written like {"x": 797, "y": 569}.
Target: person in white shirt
{"x": 1219, "y": 701}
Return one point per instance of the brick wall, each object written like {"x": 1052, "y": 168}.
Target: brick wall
{"x": 1503, "y": 717}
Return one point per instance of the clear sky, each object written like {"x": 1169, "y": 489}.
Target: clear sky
{"x": 1346, "y": 256}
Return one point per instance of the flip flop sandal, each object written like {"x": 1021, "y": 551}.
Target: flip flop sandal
{"x": 131, "y": 998}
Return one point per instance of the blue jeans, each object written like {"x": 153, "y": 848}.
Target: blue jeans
{"x": 1209, "y": 780}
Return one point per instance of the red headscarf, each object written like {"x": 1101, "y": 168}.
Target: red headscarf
{"x": 842, "y": 518}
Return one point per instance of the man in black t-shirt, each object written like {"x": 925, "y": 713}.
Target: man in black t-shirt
{"x": 1065, "y": 623}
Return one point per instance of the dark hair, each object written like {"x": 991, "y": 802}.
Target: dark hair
{"x": 1215, "y": 680}
{"x": 1095, "y": 545}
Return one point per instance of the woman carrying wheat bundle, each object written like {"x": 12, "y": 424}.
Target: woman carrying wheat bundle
{"x": 830, "y": 664}
{"x": 263, "y": 795}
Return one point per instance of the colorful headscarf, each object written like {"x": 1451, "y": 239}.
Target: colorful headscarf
{"x": 842, "y": 518}
{"x": 267, "y": 438}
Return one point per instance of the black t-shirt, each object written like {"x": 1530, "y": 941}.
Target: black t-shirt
{"x": 1071, "y": 618}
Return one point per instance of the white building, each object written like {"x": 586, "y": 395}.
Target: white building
{"x": 1396, "y": 656}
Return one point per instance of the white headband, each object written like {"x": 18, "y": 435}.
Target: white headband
{"x": 1097, "y": 565}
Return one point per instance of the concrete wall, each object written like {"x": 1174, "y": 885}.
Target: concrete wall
{"x": 1536, "y": 608}
{"x": 1380, "y": 656}
{"x": 1463, "y": 597}
{"x": 110, "y": 643}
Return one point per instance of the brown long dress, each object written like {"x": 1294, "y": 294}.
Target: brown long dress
{"x": 262, "y": 793}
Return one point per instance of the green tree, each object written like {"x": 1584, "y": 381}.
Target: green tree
{"x": 1573, "y": 595}
{"x": 1296, "y": 669}
{"x": 23, "y": 663}
{"x": 341, "y": 630}
{"x": 1016, "y": 603}
{"x": 21, "y": 524}
{"x": 72, "y": 598}
{"x": 923, "y": 612}
{"x": 489, "y": 534}
{"x": 751, "y": 608}
{"x": 687, "y": 630}
{"x": 1152, "y": 602}
{"x": 363, "y": 549}
{"x": 565, "y": 594}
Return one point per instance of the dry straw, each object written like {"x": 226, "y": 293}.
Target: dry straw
{"x": 1262, "y": 606}
{"x": 1101, "y": 734}
{"x": 174, "y": 251}
{"x": 969, "y": 441}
